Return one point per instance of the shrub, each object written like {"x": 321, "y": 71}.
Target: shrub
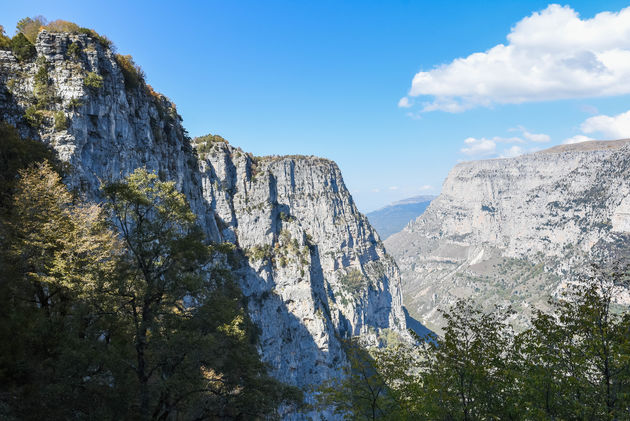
{"x": 61, "y": 122}
{"x": 62, "y": 26}
{"x": 22, "y": 48}
{"x": 132, "y": 73}
{"x": 33, "y": 117}
{"x": 42, "y": 89}
{"x": 93, "y": 80}
{"x": 74, "y": 103}
{"x": 5, "y": 41}
{"x": 74, "y": 50}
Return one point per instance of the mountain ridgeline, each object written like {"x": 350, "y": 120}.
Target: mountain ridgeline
{"x": 311, "y": 267}
{"x": 515, "y": 231}
{"x": 393, "y": 218}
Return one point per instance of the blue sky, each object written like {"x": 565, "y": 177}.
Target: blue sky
{"x": 326, "y": 77}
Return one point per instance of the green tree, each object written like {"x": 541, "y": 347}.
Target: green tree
{"x": 361, "y": 392}
{"x": 193, "y": 345}
{"x": 57, "y": 254}
{"x": 575, "y": 360}
{"x": 30, "y": 27}
{"x": 22, "y": 48}
{"x": 468, "y": 373}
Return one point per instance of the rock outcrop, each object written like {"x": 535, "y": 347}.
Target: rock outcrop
{"x": 514, "y": 231}
{"x": 313, "y": 269}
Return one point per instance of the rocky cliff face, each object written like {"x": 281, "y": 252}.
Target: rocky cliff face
{"x": 313, "y": 269}
{"x": 513, "y": 231}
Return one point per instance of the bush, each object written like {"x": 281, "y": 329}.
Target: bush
{"x": 61, "y": 122}
{"x": 93, "y": 80}
{"x": 22, "y": 48}
{"x": 74, "y": 50}
{"x": 42, "y": 89}
{"x": 5, "y": 41}
{"x": 132, "y": 73}
{"x": 33, "y": 117}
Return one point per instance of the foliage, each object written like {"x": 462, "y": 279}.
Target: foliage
{"x": 194, "y": 344}
{"x": 131, "y": 323}
{"x": 353, "y": 281}
{"x": 204, "y": 144}
{"x": 61, "y": 121}
{"x": 42, "y": 89}
{"x": 74, "y": 50}
{"x": 5, "y": 41}
{"x": 30, "y": 27}
{"x": 55, "y": 255}
{"x": 33, "y": 116}
{"x": 132, "y": 73}
{"x": 22, "y": 48}
{"x": 571, "y": 364}
{"x": 17, "y": 154}
{"x": 361, "y": 393}
{"x": 93, "y": 80}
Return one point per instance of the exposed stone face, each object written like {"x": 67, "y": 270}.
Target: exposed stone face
{"x": 314, "y": 269}
{"x": 513, "y": 231}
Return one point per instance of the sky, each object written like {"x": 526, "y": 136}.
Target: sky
{"x": 396, "y": 92}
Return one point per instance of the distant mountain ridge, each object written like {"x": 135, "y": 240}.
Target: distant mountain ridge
{"x": 393, "y": 218}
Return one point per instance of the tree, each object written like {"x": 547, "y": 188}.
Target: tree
{"x": 360, "y": 393}
{"x": 57, "y": 255}
{"x": 22, "y": 48}
{"x": 30, "y": 27}
{"x": 468, "y": 373}
{"x": 193, "y": 344}
{"x": 575, "y": 360}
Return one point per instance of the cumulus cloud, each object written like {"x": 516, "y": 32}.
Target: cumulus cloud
{"x": 577, "y": 139}
{"x": 615, "y": 127}
{"x": 551, "y": 54}
{"x": 393, "y": 188}
{"x": 426, "y": 187}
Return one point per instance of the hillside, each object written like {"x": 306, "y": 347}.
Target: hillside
{"x": 514, "y": 231}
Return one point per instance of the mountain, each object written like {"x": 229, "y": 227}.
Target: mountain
{"x": 514, "y": 231}
{"x": 313, "y": 270}
{"x": 392, "y": 218}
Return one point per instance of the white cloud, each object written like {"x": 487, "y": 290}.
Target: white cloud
{"x": 479, "y": 147}
{"x": 577, "y": 139}
{"x": 404, "y": 102}
{"x": 551, "y": 54}
{"x": 615, "y": 127}
{"x": 534, "y": 137}
{"x": 393, "y": 188}
{"x": 426, "y": 187}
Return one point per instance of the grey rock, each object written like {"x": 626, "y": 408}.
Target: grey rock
{"x": 315, "y": 269}
{"x": 516, "y": 231}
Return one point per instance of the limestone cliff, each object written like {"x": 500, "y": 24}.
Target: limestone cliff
{"x": 512, "y": 231}
{"x": 312, "y": 267}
